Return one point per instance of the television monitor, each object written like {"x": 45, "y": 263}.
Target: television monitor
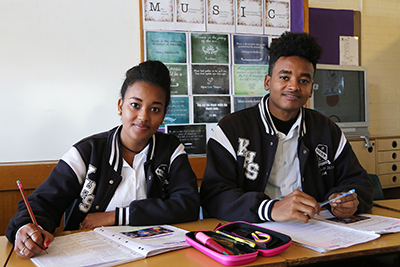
{"x": 341, "y": 93}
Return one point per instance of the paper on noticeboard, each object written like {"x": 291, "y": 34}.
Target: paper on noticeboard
{"x": 348, "y": 50}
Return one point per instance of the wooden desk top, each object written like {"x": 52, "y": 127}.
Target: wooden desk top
{"x": 298, "y": 255}
{"x": 188, "y": 257}
{"x": 295, "y": 255}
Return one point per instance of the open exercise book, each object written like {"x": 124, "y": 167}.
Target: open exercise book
{"x": 110, "y": 246}
{"x": 326, "y": 232}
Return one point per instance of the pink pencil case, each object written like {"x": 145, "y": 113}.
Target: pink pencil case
{"x": 243, "y": 253}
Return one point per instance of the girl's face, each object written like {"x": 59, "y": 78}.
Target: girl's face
{"x": 142, "y": 111}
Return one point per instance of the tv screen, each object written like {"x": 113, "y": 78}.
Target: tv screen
{"x": 340, "y": 93}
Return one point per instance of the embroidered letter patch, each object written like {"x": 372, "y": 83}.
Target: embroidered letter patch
{"x": 249, "y": 165}
{"x": 87, "y": 191}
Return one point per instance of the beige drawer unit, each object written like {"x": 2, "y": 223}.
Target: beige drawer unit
{"x": 366, "y": 156}
{"x": 388, "y": 161}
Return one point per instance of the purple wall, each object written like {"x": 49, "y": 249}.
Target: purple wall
{"x": 296, "y": 16}
{"x": 327, "y": 25}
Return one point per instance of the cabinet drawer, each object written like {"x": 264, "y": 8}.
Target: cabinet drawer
{"x": 388, "y": 156}
{"x": 390, "y": 180}
{"x": 388, "y": 144}
{"x": 366, "y": 156}
{"x": 388, "y": 168}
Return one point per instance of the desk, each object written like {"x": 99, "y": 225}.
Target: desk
{"x": 188, "y": 257}
{"x": 297, "y": 255}
{"x": 294, "y": 256}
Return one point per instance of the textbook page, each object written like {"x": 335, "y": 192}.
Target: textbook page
{"x": 320, "y": 236}
{"x": 84, "y": 249}
{"x": 149, "y": 240}
{"x": 367, "y": 222}
{"x": 110, "y": 246}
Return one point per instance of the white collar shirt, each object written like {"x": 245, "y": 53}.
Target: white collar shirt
{"x": 285, "y": 174}
{"x": 133, "y": 184}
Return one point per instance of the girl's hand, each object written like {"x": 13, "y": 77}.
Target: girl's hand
{"x": 29, "y": 241}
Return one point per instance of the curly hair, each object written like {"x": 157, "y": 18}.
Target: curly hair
{"x": 294, "y": 44}
{"x": 151, "y": 71}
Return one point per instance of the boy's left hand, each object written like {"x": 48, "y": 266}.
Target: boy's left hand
{"x": 344, "y": 207}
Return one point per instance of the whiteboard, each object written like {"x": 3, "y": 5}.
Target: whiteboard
{"x": 62, "y": 64}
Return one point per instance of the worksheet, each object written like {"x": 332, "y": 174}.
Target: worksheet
{"x": 321, "y": 236}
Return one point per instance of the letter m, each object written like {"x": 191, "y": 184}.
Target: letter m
{"x": 155, "y": 7}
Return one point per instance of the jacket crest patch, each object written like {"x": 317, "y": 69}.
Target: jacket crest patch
{"x": 324, "y": 164}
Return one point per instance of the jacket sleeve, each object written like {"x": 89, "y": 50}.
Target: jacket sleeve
{"x": 221, "y": 193}
{"x": 48, "y": 201}
{"x": 350, "y": 174}
{"x": 182, "y": 203}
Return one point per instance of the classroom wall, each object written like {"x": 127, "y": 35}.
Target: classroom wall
{"x": 380, "y": 27}
{"x": 62, "y": 64}
{"x": 88, "y": 45}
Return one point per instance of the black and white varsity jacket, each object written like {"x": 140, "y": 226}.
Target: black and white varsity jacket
{"x": 85, "y": 179}
{"x": 241, "y": 153}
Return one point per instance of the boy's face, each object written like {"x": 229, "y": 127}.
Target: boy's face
{"x": 290, "y": 86}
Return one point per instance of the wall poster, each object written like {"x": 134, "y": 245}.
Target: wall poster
{"x": 192, "y": 136}
{"x": 216, "y": 52}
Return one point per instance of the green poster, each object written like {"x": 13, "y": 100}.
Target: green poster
{"x": 249, "y": 80}
{"x": 210, "y": 48}
{"x": 167, "y": 47}
{"x": 179, "y": 79}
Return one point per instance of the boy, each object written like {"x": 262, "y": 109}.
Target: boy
{"x": 277, "y": 160}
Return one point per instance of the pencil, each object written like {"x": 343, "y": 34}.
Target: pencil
{"x": 28, "y": 207}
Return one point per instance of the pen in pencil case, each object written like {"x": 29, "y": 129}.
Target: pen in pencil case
{"x": 237, "y": 239}
{"x": 28, "y": 207}
{"x": 336, "y": 198}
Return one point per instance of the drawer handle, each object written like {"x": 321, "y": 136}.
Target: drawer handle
{"x": 394, "y": 155}
{"x": 394, "y": 144}
{"x": 394, "y": 167}
{"x": 394, "y": 179}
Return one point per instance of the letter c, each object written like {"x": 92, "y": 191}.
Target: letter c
{"x": 271, "y": 13}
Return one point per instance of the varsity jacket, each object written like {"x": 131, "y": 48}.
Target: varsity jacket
{"x": 85, "y": 179}
{"x": 241, "y": 153}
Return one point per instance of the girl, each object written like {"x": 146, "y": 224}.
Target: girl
{"x": 130, "y": 175}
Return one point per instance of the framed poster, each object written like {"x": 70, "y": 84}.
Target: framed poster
{"x": 179, "y": 79}
{"x": 192, "y": 136}
{"x": 210, "y": 79}
{"x": 242, "y": 102}
{"x": 277, "y": 16}
{"x": 250, "y": 49}
{"x": 178, "y": 110}
{"x": 210, "y": 48}
{"x": 209, "y": 109}
{"x": 249, "y": 16}
{"x": 158, "y": 15}
{"x": 167, "y": 47}
{"x": 249, "y": 79}
{"x": 221, "y": 16}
